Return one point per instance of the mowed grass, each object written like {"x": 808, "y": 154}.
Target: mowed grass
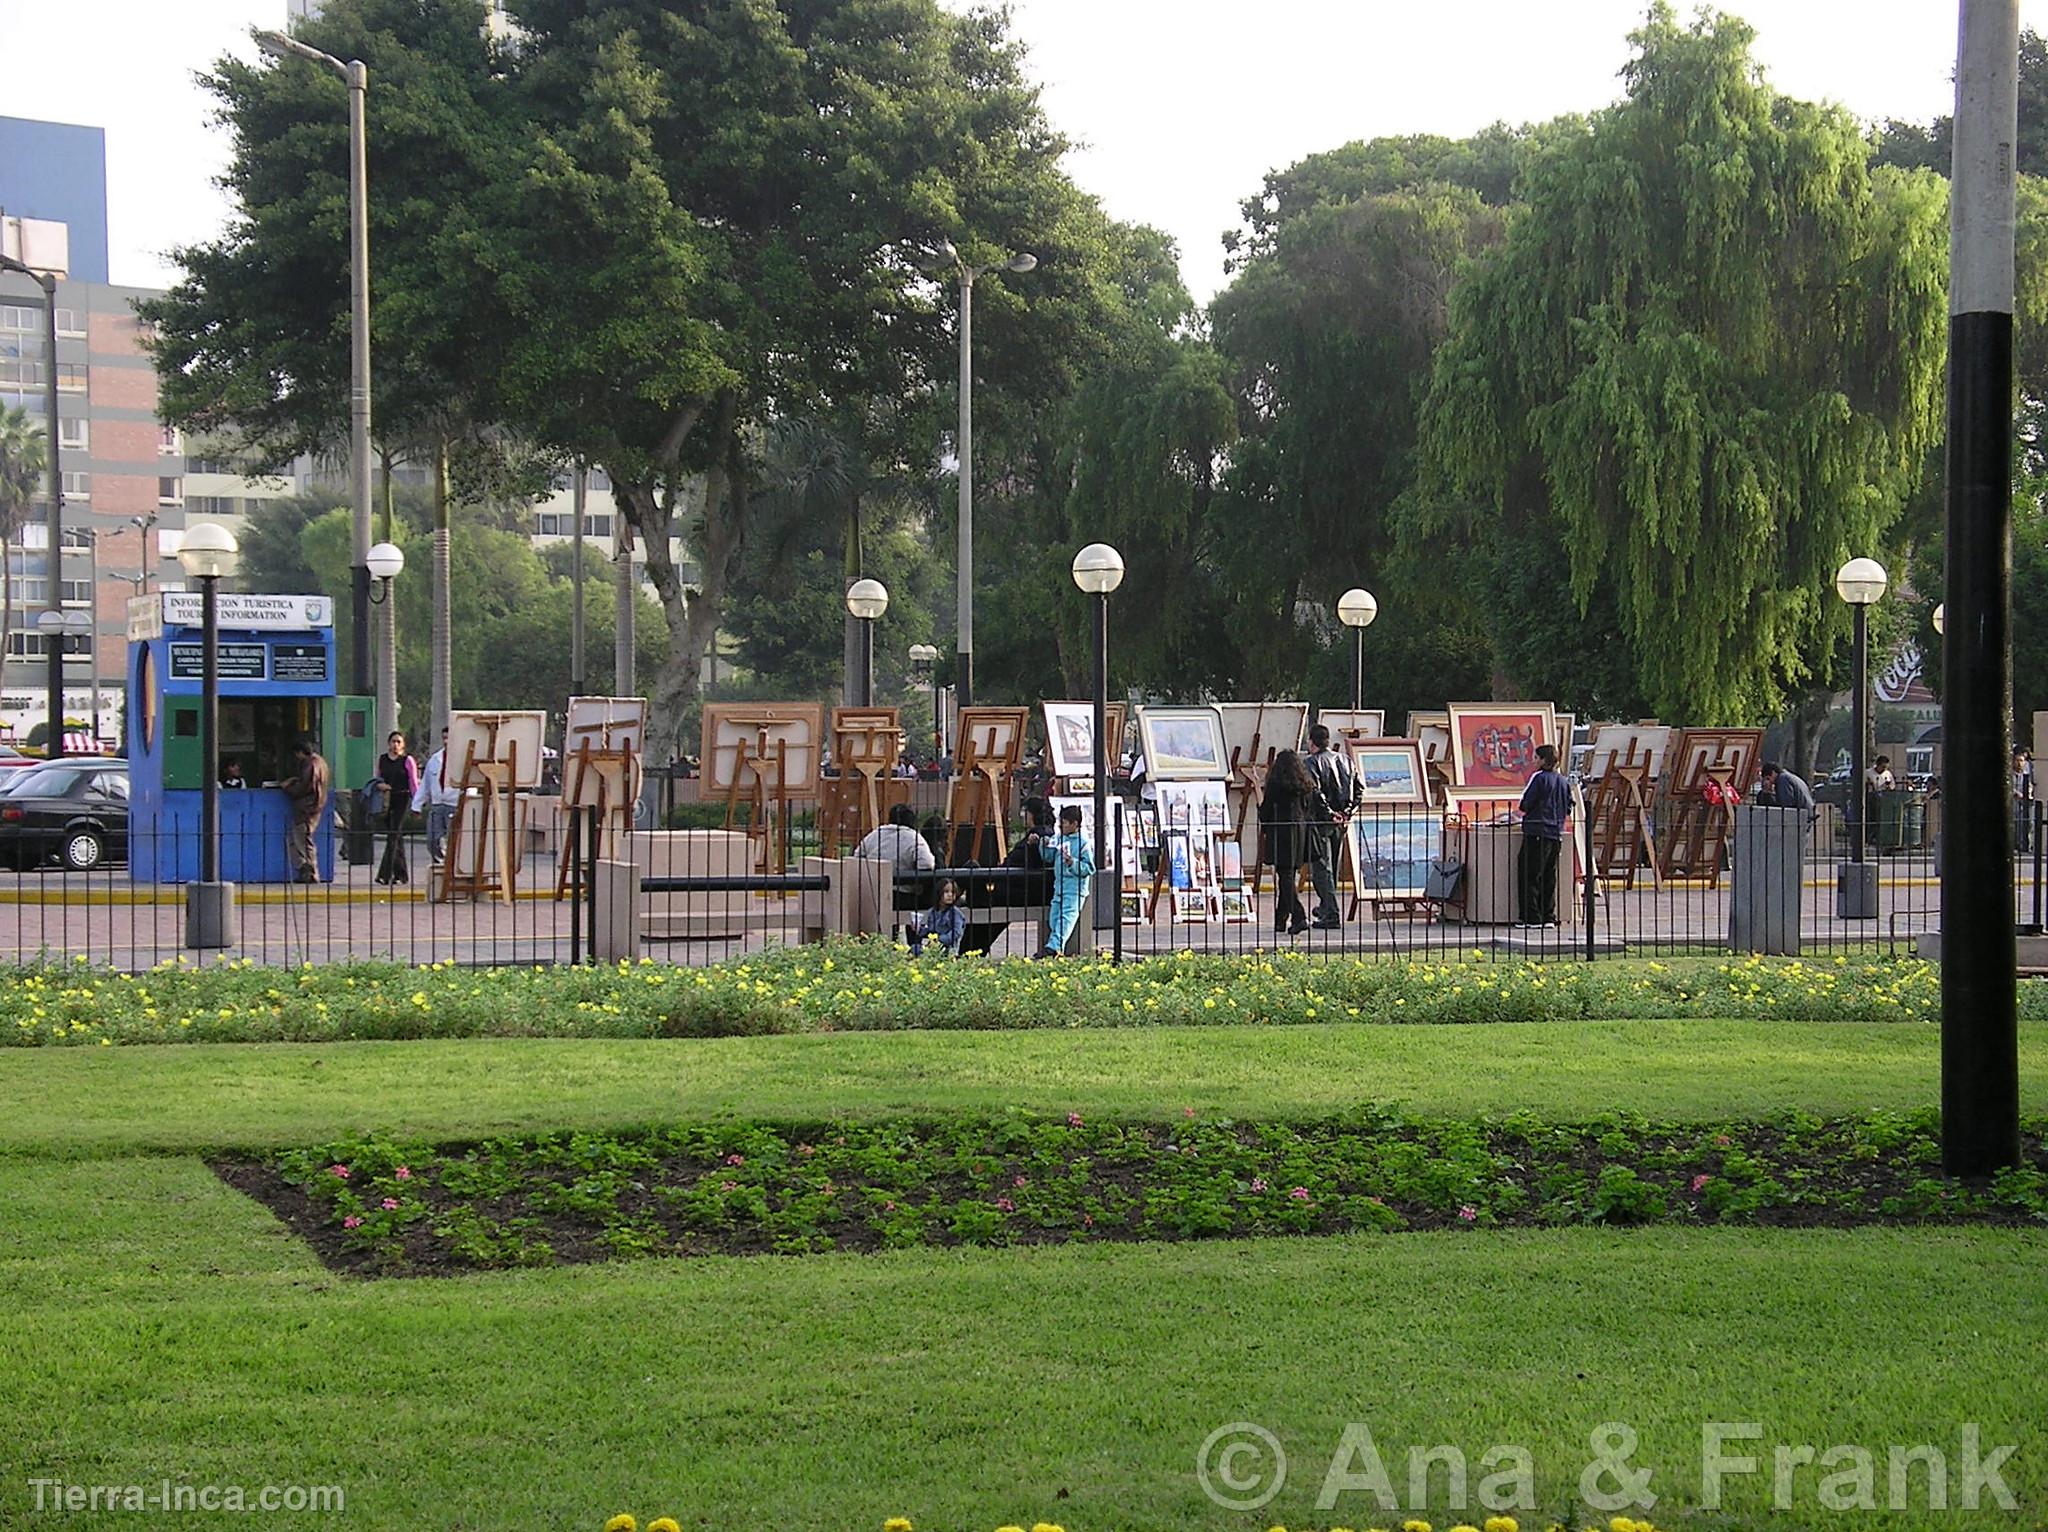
{"x": 159, "y": 1324}
{"x": 252, "y": 1095}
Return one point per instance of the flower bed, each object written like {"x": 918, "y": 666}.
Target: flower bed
{"x": 872, "y": 986}
{"x": 626, "y": 1522}
{"x": 382, "y": 1206}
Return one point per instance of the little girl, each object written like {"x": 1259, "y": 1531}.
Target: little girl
{"x": 1072, "y": 861}
{"x": 945, "y": 924}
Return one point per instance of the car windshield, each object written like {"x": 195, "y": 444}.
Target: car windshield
{"x": 53, "y": 781}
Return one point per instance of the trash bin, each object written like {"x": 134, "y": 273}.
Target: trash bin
{"x": 358, "y": 841}
{"x": 1901, "y": 821}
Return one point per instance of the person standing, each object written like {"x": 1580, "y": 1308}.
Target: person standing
{"x": 1288, "y": 805}
{"x": 1782, "y": 789}
{"x": 1338, "y": 786}
{"x": 399, "y": 775}
{"x": 436, "y": 797}
{"x": 2022, "y": 801}
{"x": 307, "y": 791}
{"x": 1072, "y": 861}
{"x": 1545, "y": 803}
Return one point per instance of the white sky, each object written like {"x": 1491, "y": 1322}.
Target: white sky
{"x": 1180, "y": 106}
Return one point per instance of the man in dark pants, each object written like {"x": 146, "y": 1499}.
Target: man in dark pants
{"x": 1545, "y": 802}
{"x": 1339, "y": 787}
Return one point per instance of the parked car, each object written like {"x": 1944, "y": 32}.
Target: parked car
{"x": 12, "y": 759}
{"x": 72, "y": 812}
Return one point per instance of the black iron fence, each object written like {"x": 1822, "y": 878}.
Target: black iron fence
{"x": 1394, "y": 881}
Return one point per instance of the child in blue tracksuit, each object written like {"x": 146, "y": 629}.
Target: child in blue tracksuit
{"x": 945, "y": 925}
{"x": 1072, "y": 861}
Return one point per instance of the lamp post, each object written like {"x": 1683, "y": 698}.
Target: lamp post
{"x": 948, "y": 257}
{"x": 357, "y": 76}
{"x": 54, "y": 673}
{"x": 1098, "y": 570}
{"x": 1356, "y": 609}
{"x": 867, "y": 600}
{"x": 926, "y": 658}
{"x": 207, "y": 551}
{"x": 1861, "y": 583}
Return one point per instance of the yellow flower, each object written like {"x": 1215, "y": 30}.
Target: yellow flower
{"x": 1414, "y": 1526}
{"x": 663, "y": 1523}
{"x": 896, "y": 1524}
{"x": 998, "y": 1529}
{"x": 622, "y": 1523}
{"x": 1493, "y": 1524}
{"x": 1047, "y": 1526}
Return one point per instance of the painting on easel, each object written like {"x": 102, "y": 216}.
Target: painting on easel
{"x": 494, "y": 757}
{"x": 866, "y": 745}
{"x": 990, "y": 746}
{"x": 762, "y": 755}
{"x": 1070, "y": 737}
{"x": 602, "y": 743}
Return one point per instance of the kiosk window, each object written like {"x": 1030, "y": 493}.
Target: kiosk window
{"x": 185, "y": 723}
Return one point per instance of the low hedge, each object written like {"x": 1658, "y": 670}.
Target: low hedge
{"x": 873, "y": 986}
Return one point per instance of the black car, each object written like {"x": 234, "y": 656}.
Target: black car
{"x": 71, "y": 812}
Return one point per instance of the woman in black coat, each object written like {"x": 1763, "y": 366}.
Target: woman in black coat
{"x": 1286, "y": 809}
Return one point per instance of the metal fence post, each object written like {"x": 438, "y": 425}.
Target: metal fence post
{"x": 576, "y": 891}
{"x": 591, "y": 847}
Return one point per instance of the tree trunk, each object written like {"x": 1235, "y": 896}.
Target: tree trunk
{"x": 443, "y": 690}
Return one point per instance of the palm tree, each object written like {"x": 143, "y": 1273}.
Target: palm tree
{"x": 24, "y": 458}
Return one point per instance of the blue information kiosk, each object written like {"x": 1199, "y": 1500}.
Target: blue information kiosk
{"x": 277, "y": 686}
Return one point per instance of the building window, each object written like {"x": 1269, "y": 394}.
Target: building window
{"x": 211, "y": 465}
{"x": 170, "y": 490}
{"x": 71, "y": 377}
{"x": 75, "y": 592}
{"x": 600, "y": 481}
{"x": 74, "y": 432}
{"x": 20, "y": 372}
{"x": 75, "y": 538}
{"x": 33, "y": 646}
{"x": 168, "y": 442}
{"x": 212, "y": 505}
{"x": 597, "y": 526}
{"x": 77, "y": 486}
{"x": 14, "y": 316}
{"x": 32, "y": 590}
{"x": 70, "y": 322}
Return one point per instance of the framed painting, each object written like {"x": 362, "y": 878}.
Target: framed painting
{"x": 1432, "y": 731}
{"x": 1485, "y": 805}
{"x": 746, "y": 739}
{"x": 1493, "y": 744}
{"x": 1254, "y": 731}
{"x": 1070, "y": 737}
{"x": 1183, "y": 744}
{"x": 1738, "y": 752}
{"x": 511, "y": 740}
{"x": 1389, "y": 770}
{"x": 1392, "y": 849}
{"x": 1621, "y": 744}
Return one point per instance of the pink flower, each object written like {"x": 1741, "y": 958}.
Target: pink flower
{"x": 1299, "y": 1194}
{"x": 1468, "y": 1212}
{"x": 404, "y": 1172}
{"x": 1187, "y": 1111}
{"x": 1258, "y": 1183}
{"x": 1073, "y": 1119}
{"x": 888, "y": 1207}
{"x": 728, "y": 1186}
{"x": 390, "y": 1204}
{"x": 1699, "y": 1181}
{"x": 1006, "y": 1205}
{"x": 1020, "y": 1181}
{"x": 351, "y": 1222}
{"x": 338, "y": 1170}
{"x": 1375, "y": 1202}
{"x": 1087, "y": 1220}
{"x": 735, "y": 1159}
{"x": 805, "y": 1149}
{"x": 1723, "y": 1140}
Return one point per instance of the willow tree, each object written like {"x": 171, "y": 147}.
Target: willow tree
{"x": 1704, "y": 368}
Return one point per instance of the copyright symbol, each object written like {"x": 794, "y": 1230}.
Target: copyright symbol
{"x": 1241, "y": 1466}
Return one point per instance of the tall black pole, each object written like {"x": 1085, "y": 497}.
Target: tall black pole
{"x": 1979, "y": 987}
{"x": 1860, "y": 724}
{"x": 938, "y": 717}
{"x": 964, "y": 641}
{"x": 1103, "y": 883}
{"x": 867, "y": 662}
{"x": 55, "y": 658}
{"x": 1357, "y": 669}
{"x": 209, "y": 729}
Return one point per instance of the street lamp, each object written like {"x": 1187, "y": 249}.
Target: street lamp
{"x": 207, "y": 551}
{"x": 1940, "y": 612}
{"x": 357, "y": 77}
{"x": 385, "y": 562}
{"x": 867, "y": 600}
{"x": 946, "y": 256}
{"x": 57, "y": 628}
{"x": 1098, "y": 570}
{"x": 54, "y": 671}
{"x": 1861, "y": 583}
{"x": 926, "y": 658}
{"x": 1356, "y": 609}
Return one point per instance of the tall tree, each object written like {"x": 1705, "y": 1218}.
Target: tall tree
{"x": 1706, "y": 363}
{"x": 24, "y": 460}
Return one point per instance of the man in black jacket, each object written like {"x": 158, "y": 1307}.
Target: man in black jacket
{"x": 1545, "y": 803}
{"x": 1338, "y": 784}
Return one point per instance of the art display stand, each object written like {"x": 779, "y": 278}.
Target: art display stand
{"x": 1624, "y": 825}
{"x": 866, "y": 745}
{"x": 1709, "y": 772}
{"x": 991, "y": 743}
{"x": 602, "y": 744}
{"x": 762, "y": 756}
{"x": 1219, "y": 888}
{"x": 483, "y": 839}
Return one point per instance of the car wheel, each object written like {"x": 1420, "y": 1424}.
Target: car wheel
{"x": 83, "y": 850}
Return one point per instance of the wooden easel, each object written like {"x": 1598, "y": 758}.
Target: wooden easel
{"x": 1248, "y": 781}
{"x": 494, "y": 781}
{"x": 760, "y": 779}
{"x": 1699, "y": 834}
{"x": 601, "y": 770}
{"x": 1624, "y": 825}
{"x": 991, "y": 743}
{"x": 866, "y": 745}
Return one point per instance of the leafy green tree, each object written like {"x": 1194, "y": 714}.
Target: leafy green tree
{"x": 1706, "y": 362}
{"x": 24, "y": 463}
{"x": 1912, "y": 146}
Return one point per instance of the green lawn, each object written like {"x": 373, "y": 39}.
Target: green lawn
{"x": 251, "y": 1095}
{"x": 158, "y": 1323}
